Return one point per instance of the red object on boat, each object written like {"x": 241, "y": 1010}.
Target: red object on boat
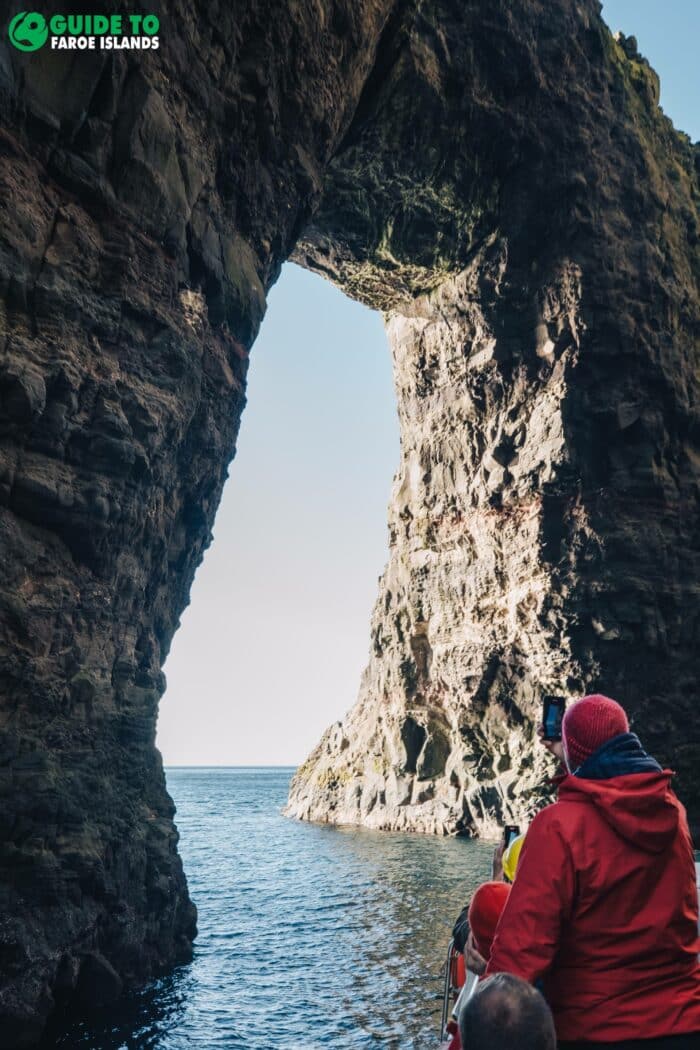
{"x": 455, "y": 1042}
{"x": 485, "y": 910}
{"x": 459, "y": 970}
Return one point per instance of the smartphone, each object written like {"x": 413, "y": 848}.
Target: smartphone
{"x": 510, "y": 832}
{"x": 552, "y": 714}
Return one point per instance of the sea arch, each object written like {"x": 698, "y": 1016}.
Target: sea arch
{"x": 498, "y": 179}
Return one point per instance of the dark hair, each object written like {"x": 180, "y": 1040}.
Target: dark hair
{"x": 506, "y": 1012}
{"x": 460, "y": 931}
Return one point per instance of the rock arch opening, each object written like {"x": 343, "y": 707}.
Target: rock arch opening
{"x": 275, "y": 638}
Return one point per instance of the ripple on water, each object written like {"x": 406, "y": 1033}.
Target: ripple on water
{"x": 309, "y": 937}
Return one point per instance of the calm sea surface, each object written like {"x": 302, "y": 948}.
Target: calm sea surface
{"x": 309, "y": 936}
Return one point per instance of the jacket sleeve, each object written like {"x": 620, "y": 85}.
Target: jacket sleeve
{"x": 528, "y": 933}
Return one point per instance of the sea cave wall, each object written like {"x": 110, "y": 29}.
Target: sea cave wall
{"x": 147, "y": 201}
{"x": 510, "y": 575}
{"x": 541, "y": 304}
{"x": 497, "y": 178}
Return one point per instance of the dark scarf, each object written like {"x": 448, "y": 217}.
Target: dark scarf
{"x": 617, "y": 757}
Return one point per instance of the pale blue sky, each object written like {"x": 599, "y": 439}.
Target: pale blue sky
{"x": 667, "y": 33}
{"x": 273, "y": 644}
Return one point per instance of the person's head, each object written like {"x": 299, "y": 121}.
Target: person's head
{"x": 588, "y": 724}
{"x": 506, "y": 1012}
{"x": 485, "y": 910}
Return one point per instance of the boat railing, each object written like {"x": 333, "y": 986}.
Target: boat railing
{"x": 451, "y": 989}
{"x": 455, "y": 994}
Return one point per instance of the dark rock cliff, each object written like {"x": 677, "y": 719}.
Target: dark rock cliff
{"x": 146, "y": 203}
{"x": 495, "y": 176}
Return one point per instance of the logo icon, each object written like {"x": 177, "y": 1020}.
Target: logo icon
{"x": 28, "y": 31}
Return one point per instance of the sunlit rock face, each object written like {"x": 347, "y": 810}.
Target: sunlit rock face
{"x": 541, "y": 301}
{"x": 468, "y": 628}
{"x": 497, "y": 178}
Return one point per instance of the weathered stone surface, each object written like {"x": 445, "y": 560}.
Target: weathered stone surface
{"x": 496, "y": 176}
{"x": 528, "y": 222}
{"x": 146, "y": 203}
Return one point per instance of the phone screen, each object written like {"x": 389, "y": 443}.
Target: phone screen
{"x": 511, "y": 832}
{"x": 552, "y": 717}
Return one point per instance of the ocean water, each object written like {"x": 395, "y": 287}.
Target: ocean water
{"x": 309, "y": 936}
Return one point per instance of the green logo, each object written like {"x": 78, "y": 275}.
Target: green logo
{"x": 28, "y": 31}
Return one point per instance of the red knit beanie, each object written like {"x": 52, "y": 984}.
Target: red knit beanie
{"x": 588, "y": 724}
{"x": 485, "y": 910}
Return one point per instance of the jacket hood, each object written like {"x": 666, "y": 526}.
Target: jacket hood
{"x": 619, "y": 755}
{"x": 640, "y": 807}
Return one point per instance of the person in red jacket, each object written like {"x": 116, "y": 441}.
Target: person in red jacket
{"x": 604, "y": 909}
{"x": 484, "y": 911}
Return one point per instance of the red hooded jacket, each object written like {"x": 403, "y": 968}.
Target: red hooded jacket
{"x": 604, "y": 908}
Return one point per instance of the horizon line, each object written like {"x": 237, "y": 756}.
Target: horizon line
{"x": 225, "y": 765}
